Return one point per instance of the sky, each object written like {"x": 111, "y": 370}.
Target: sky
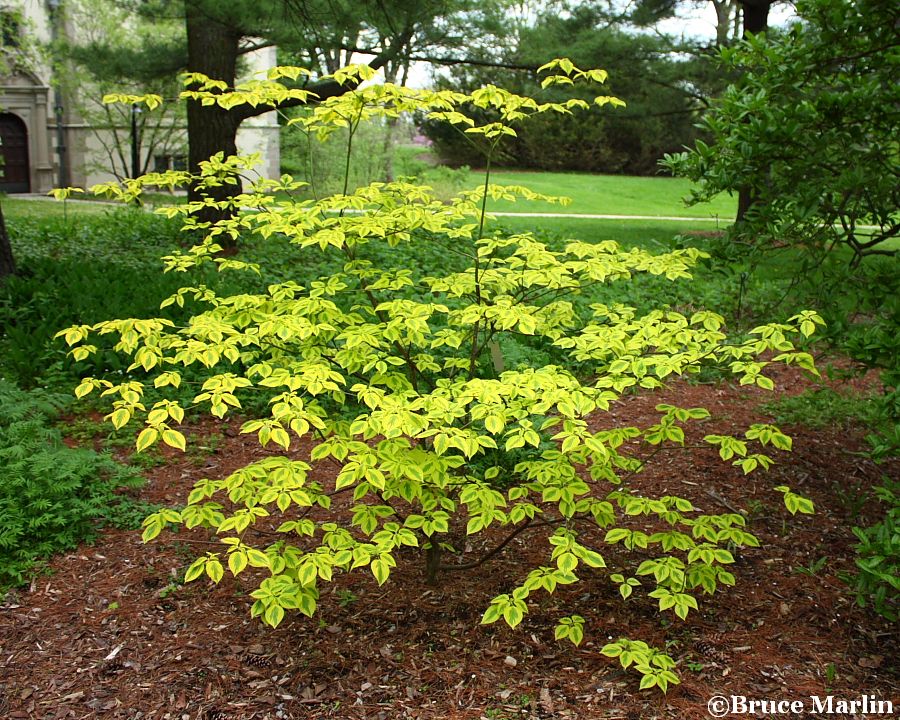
{"x": 697, "y": 22}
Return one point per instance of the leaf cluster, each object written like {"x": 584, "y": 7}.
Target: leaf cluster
{"x": 51, "y": 496}
{"x": 877, "y": 582}
{"x": 655, "y": 667}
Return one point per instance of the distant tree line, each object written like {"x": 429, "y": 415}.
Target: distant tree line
{"x": 665, "y": 83}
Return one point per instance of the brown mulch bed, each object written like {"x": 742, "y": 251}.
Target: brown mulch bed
{"x": 111, "y": 633}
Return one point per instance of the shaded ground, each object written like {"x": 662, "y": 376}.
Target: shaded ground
{"x": 112, "y": 634}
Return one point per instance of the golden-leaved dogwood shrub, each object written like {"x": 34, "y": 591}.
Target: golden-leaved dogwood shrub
{"x": 398, "y": 378}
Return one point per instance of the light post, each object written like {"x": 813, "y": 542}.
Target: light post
{"x": 135, "y": 142}
{"x": 58, "y": 109}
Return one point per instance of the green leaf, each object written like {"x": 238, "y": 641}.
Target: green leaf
{"x": 666, "y": 678}
{"x": 612, "y": 650}
{"x": 576, "y": 634}
{"x": 237, "y": 561}
{"x": 86, "y": 387}
{"x": 120, "y": 418}
{"x": 150, "y": 532}
{"x": 257, "y": 558}
{"x": 616, "y": 534}
{"x": 147, "y": 437}
{"x": 475, "y": 524}
{"x": 567, "y": 562}
{"x": 491, "y": 615}
{"x": 214, "y": 569}
{"x": 513, "y": 615}
{"x": 153, "y": 526}
{"x": 281, "y": 437}
{"x": 173, "y": 438}
{"x": 195, "y": 570}
{"x": 591, "y": 558}
{"x": 306, "y": 603}
{"x": 381, "y": 570}
{"x": 273, "y": 615}
{"x": 307, "y": 573}
{"x": 494, "y": 424}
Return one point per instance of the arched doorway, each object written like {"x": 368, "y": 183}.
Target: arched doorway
{"x": 14, "y": 169}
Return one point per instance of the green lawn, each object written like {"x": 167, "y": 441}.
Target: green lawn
{"x": 607, "y": 195}
{"x": 38, "y": 209}
{"x": 590, "y": 194}
{"x": 651, "y": 234}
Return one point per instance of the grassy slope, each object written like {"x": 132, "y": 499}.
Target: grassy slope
{"x": 608, "y": 195}
{"x": 652, "y": 234}
{"x": 18, "y": 208}
{"x": 590, "y": 195}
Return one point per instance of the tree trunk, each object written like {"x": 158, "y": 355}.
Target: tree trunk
{"x": 725, "y": 9}
{"x": 213, "y": 51}
{"x": 432, "y": 562}
{"x": 756, "y": 15}
{"x": 7, "y": 263}
{"x": 746, "y": 198}
{"x": 756, "y": 20}
{"x": 390, "y": 128}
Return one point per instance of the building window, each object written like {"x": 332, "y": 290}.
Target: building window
{"x": 161, "y": 163}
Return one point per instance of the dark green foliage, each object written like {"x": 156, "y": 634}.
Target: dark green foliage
{"x": 78, "y": 270}
{"x": 810, "y": 130}
{"x": 663, "y": 96}
{"x": 861, "y": 306}
{"x": 864, "y": 317}
{"x": 51, "y": 496}
{"x": 825, "y": 407}
{"x": 878, "y": 561}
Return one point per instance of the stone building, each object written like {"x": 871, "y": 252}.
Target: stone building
{"x": 45, "y": 142}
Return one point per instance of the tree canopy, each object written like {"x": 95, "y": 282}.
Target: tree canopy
{"x": 811, "y": 128}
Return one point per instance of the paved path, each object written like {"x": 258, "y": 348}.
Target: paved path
{"x": 583, "y": 216}
{"x": 568, "y": 216}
